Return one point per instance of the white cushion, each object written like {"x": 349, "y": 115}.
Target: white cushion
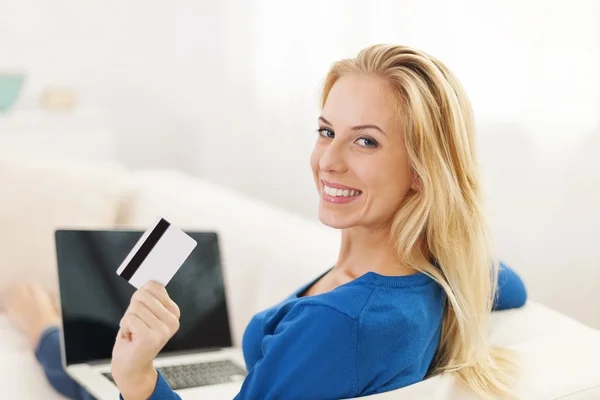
{"x": 40, "y": 195}
{"x": 560, "y": 355}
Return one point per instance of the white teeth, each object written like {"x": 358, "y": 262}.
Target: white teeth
{"x": 340, "y": 192}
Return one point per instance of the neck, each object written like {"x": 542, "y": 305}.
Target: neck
{"x": 364, "y": 250}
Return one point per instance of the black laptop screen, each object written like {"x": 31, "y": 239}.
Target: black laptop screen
{"x": 94, "y": 298}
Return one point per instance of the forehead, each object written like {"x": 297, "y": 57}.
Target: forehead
{"x": 360, "y": 99}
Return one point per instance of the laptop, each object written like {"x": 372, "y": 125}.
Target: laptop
{"x": 198, "y": 362}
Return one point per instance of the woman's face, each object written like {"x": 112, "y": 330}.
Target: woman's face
{"x": 359, "y": 162}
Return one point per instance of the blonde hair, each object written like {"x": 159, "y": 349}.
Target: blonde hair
{"x": 440, "y": 229}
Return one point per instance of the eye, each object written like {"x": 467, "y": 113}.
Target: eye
{"x": 367, "y": 142}
{"x": 326, "y": 132}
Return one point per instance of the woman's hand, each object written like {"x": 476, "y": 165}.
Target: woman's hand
{"x": 151, "y": 319}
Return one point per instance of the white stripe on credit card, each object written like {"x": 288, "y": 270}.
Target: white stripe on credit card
{"x": 157, "y": 256}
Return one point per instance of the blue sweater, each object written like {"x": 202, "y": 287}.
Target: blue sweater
{"x": 371, "y": 335}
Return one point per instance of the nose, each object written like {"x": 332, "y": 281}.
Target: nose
{"x": 333, "y": 158}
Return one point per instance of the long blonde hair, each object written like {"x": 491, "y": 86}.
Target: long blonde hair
{"x": 440, "y": 229}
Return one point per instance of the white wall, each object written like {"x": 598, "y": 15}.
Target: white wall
{"x": 212, "y": 79}
{"x": 125, "y": 57}
{"x": 228, "y": 90}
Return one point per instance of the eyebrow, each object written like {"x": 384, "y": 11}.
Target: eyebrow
{"x": 357, "y": 127}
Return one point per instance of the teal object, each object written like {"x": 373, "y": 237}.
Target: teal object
{"x": 10, "y": 87}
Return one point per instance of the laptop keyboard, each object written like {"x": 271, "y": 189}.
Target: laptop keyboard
{"x": 200, "y": 374}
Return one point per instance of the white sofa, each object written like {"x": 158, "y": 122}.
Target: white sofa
{"x": 267, "y": 253}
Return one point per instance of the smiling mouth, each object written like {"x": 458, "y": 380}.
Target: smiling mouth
{"x": 334, "y": 192}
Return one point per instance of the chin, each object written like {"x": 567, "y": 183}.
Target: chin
{"x": 334, "y": 220}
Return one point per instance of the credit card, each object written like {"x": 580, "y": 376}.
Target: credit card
{"x": 157, "y": 256}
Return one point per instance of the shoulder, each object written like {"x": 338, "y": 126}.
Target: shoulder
{"x": 392, "y": 317}
{"x": 326, "y": 321}
{"x": 349, "y": 301}
{"x": 403, "y": 310}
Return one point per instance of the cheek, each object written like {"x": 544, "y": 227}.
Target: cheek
{"x": 388, "y": 183}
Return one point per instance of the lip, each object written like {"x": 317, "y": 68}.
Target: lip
{"x": 338, "y": 186}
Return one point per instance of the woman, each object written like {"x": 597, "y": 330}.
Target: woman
{"x": 395, "y": 166}
{"x": 411, "y": 291}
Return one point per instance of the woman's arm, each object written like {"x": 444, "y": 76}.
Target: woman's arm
{"x": 511, "y": 292}
{"x": 312, "y": 354}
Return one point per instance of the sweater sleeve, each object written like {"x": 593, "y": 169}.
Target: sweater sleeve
{"x": 162, "y": 390}
{"x": 511, "y": 291}
{"x": 311, "y": 354}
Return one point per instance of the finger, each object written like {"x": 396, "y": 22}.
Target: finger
{"x": 157, "y": 308}
{"x": 124, "y": 333}
{"x": 140, "y": 310}
{"x": 161, "y": 294}
{"x": 124, "y": 329}
{"x": 135, "y": 325}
